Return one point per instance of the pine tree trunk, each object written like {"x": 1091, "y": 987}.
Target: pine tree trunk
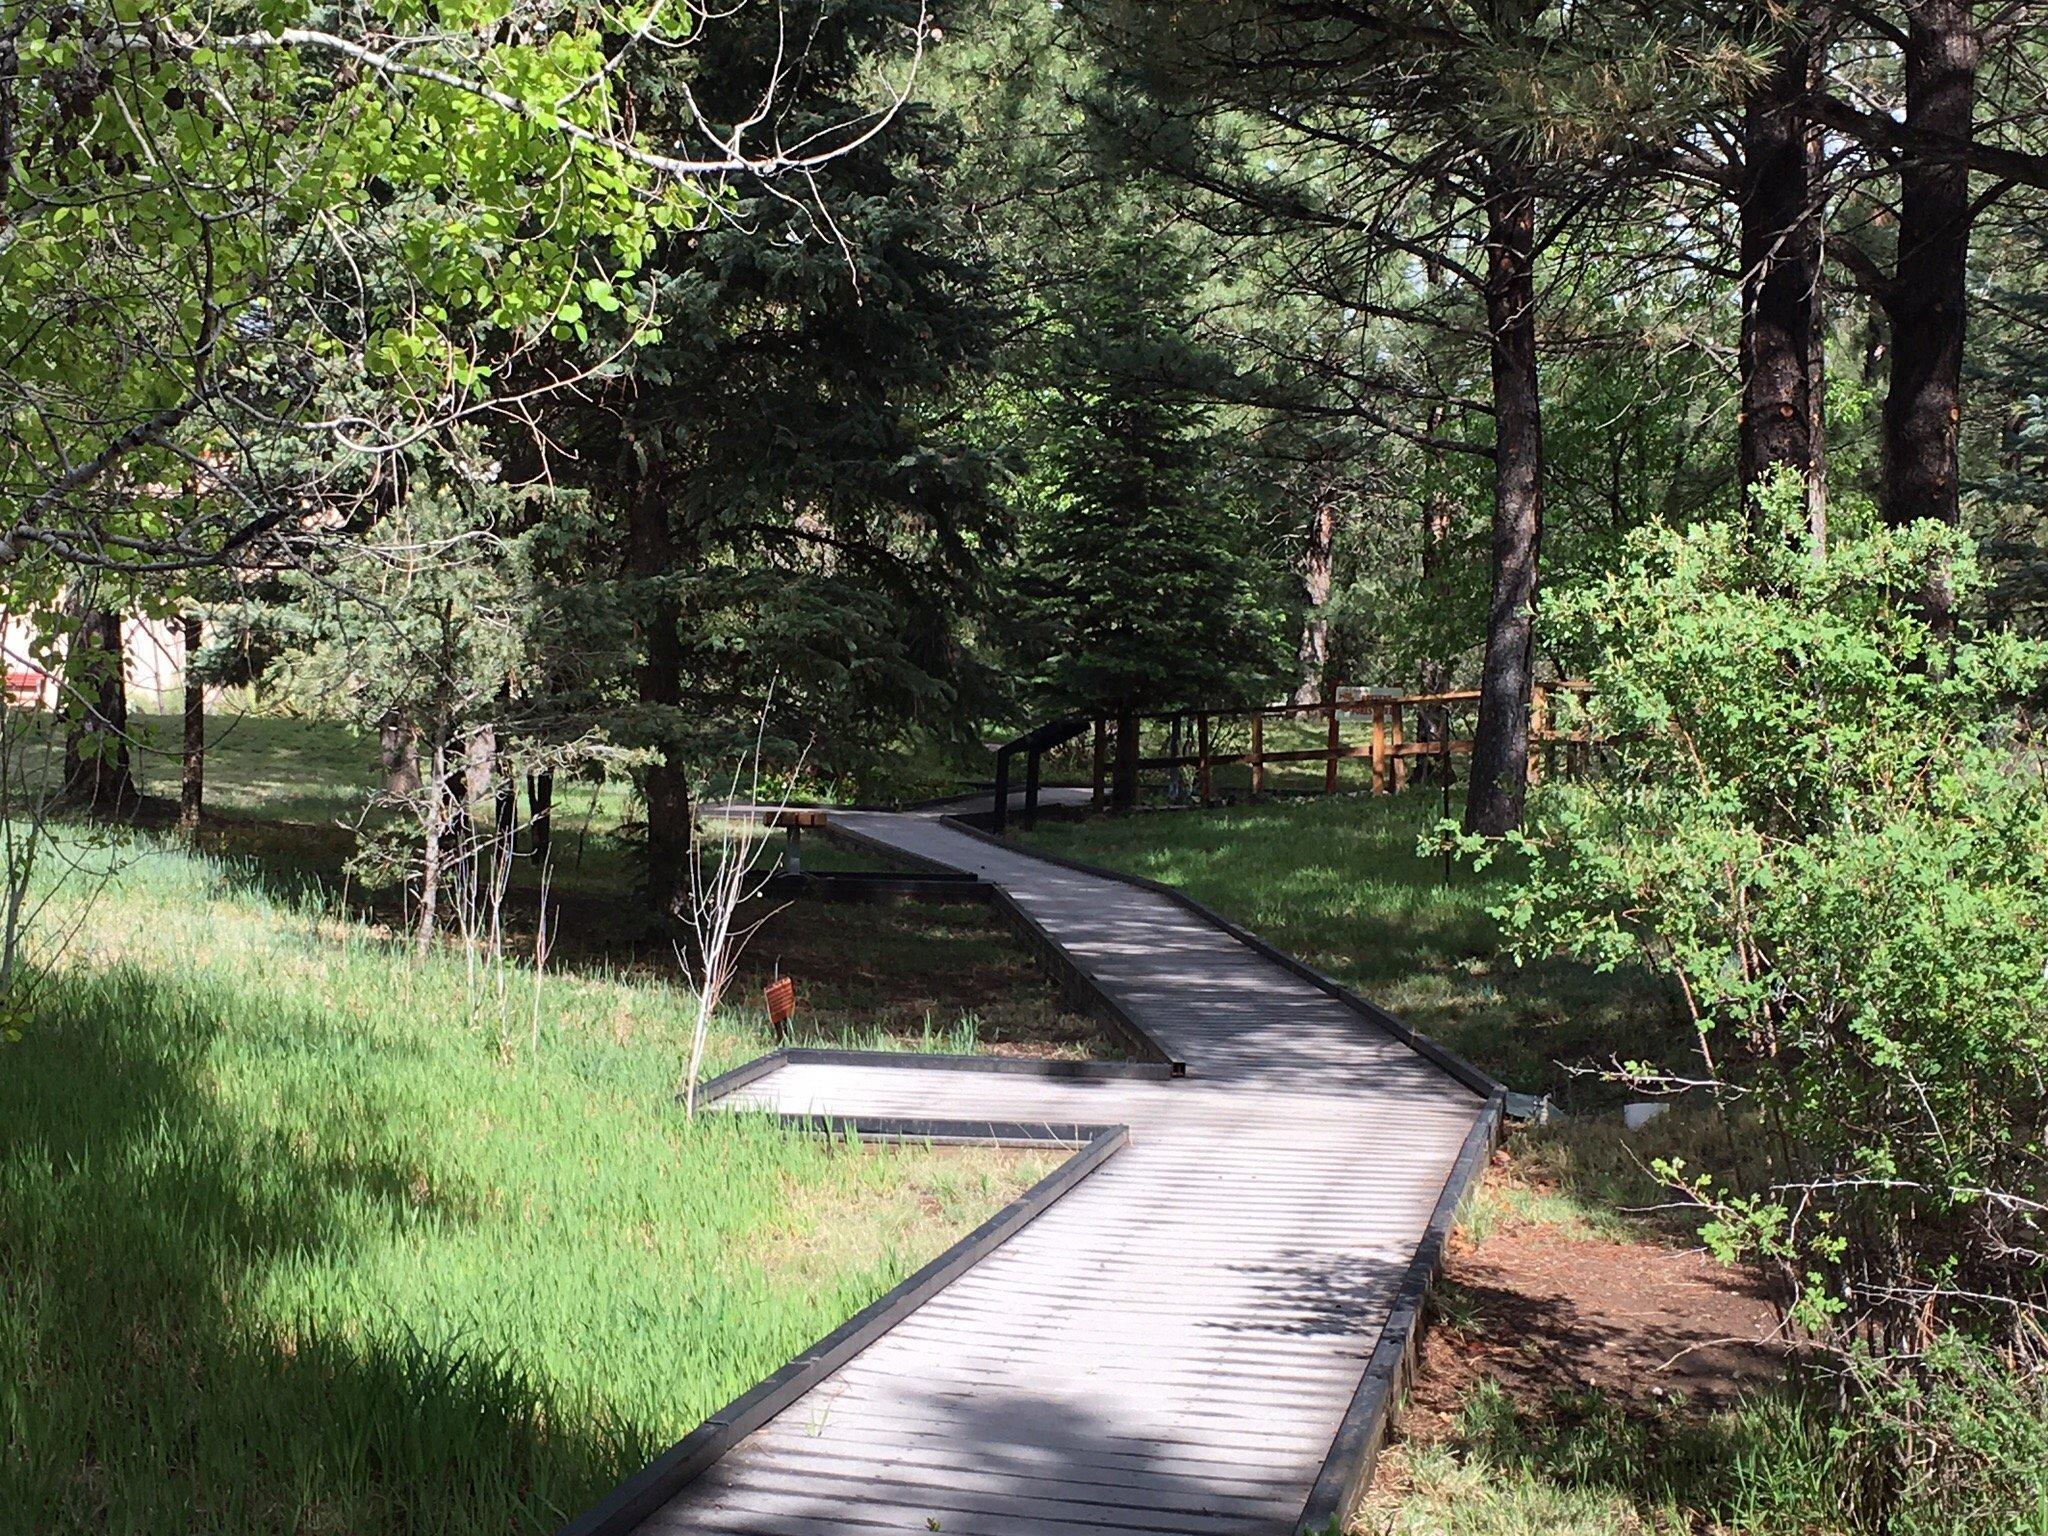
{"x": 455, "y": 821}
{"x": 1123, "y": 791}
{"x": 1431, "y": 722}
{"x": 1816, "y": 325}
{"x": 434, "y": 843}
{"x": 667, "y": 785}
{"x": 1317, "y": 562}
{"x": 192, "y": 760}
{"x": 97, "y": 774}
{"x": 486, "y": 778}
{"x": 505, "y": 813}
{"x": 398, "y": 755}
{"x": 1780, "y": 260}
{"x": 1927, "y": 306}
{"x": 1500, "y": 749}
{"x": 479, "y": 764}
{"x": 540, "y": 813}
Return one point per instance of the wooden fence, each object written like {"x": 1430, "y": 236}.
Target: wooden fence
{"x": 1406, "y": 732}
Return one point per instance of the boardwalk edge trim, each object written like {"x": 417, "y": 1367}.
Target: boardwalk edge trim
{"x": 1477, "y": 1079}
{"x": 1347, "y": 1468}
{"x": 1354, "y": 1454}
{"x": 1072, "y": 979}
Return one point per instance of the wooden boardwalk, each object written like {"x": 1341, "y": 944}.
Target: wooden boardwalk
{"x": 1172, "y": 1345}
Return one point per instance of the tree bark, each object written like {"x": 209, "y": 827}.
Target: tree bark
{"x": 651, "y": 553}
{"x": 192, "y": 758}
{"x": 1435, "y": 671}
{"x": 1433, "y": 722}
{"x": 398, "y": 755}
{"x": 456, "y": 849}
{"x": 97, "y": 773}
{"x": 540, "y": 813}
{"x": 434, "y": 844}
{"x": 1123, "y": 787}
{"x": 502, "y": 784}
{"x": 1500, "y": 749}
{"x": 1780, "y": 260}
{"x": 1816, "y": 323}
{"x": 1317, "y": 565}
{"x": 506, "y": 816}
{"x": 1926, "y": 303}
{"x": 479, "y": 764}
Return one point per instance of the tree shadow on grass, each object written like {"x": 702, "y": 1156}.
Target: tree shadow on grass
{"x": 908, "y": 973}
{"x": 1767, "y": 1464}
{"x": 138, "y": 1392}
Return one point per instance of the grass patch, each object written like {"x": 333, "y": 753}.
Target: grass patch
{"x": 1583, "y": 1464}
{"x": 268, "y": 765}
{"x": 1587, "y": 1176}
{"x": 299, "y": 1233}
{"x": 1338, "y": 883}
{"x": 284, "y": 795}
{"x": 944, "y": 976}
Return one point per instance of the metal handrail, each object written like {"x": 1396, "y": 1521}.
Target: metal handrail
{"x": 1033, "y": 743}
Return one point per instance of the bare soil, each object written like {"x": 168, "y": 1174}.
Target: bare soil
{"x": 1543, "y": 1310}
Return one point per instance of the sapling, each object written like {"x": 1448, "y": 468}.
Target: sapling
{"x": 719, "y": 880}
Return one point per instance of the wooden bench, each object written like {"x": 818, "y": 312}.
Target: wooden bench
{"x": 793, "y": 820}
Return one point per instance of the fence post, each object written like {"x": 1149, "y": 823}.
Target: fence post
{"x": 1330, "y": 763}
{"x": 1202, "y": 752}
{"x": 1539, "y": 731}
{"x": 1258, "y": 752}
{"x": 1396, "y": 764}
{"x": 1101, "y": 759}
{"x": 1379, "y": 748}
{"x": 1031, "y": 788}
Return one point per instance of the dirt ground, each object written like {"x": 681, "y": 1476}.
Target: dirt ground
{"x": 1541, "y": 1310}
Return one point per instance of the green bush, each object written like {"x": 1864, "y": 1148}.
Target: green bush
{"x": 1954, "y": 1447}
{"x": 1824, "y": 820}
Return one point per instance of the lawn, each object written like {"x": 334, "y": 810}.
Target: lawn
{"x": 277, "y": 767}
{"x": 1338, "y": 882}
{"x": 301, "y": 1233}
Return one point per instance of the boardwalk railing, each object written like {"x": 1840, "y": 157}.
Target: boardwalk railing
{"x": 1032, "y": 746}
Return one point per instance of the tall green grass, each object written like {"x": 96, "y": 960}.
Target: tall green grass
{"x": 299, "y": 1233}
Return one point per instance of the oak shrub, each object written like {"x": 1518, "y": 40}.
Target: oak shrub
{"x": 1826, "y": 821}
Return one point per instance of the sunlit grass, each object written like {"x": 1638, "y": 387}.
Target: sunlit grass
{"x": 293, "y": 769}
{"x": 301, "y": 1233}
{"x": 1585, "y": 1465}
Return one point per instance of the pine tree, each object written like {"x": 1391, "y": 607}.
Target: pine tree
{"x": 1144, "y": 584}
{"x": 795, "y": 502}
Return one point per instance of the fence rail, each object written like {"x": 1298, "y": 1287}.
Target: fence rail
{"x": 1390, "y": 749}
{"x": 1404, "y": 734}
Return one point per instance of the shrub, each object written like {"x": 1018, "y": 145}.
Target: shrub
{"x": 1824, "y": 820}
